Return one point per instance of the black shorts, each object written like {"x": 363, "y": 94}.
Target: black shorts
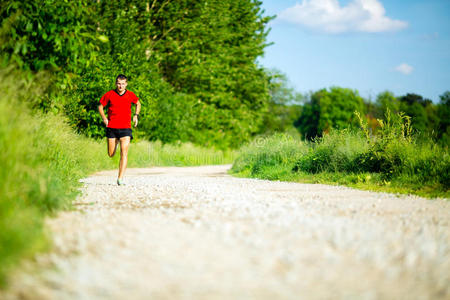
{"x": 117, "y": 133}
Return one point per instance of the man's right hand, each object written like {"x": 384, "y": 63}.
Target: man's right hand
{"x": 105, "y": 121}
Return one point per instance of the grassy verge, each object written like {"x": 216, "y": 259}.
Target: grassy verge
{"x": 41, "y": 162}
{"x": 392, "y": 161}
{"x": 43, "y": 159}
{"x": 146, "y": 154}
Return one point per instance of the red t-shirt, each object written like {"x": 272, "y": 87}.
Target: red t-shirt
{"x": 119, "y": 112}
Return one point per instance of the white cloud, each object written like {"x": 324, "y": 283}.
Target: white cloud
{"x": 404, "y": 69}
{"x": 329, "y": 16}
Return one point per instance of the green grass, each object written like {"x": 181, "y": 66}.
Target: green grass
{"x": 43, "y": 159}
{"x": 146, "y": 154}
{"x": 41, "y": 162}
{"x": 389, "y": 161}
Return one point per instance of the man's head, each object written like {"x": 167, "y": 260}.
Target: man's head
{"x": 121, "y": 83}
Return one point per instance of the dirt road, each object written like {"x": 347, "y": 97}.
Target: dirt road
{"x": 198, "y": 233}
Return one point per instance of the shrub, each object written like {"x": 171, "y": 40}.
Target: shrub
{"x": 393, "y": 157}
{"x": 334, "y": 152}
{"x": 279, "y": 150}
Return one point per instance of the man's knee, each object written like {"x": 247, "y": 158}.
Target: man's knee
{"x": 111, "y": 152}
{"x": 112, "y": 147}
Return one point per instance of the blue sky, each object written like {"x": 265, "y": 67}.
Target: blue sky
{"x": 370, "y": 45}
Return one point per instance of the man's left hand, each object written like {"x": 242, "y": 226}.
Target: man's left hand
{"x": 135, "y": 120}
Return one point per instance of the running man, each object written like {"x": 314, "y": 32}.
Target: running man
{"x": 118, "y": 123}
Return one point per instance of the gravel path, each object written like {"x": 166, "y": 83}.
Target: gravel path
{"x": 198, "y": 233}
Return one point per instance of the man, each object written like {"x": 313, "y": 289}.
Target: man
{"x": 118, "y": 123}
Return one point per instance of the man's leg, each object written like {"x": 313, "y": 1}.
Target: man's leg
{"x": 112, "y": 146}
{"x": 124, "y": 144}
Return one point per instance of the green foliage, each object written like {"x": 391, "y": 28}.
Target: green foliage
{"x": 279, "y": 150}
{"x": 43, "y": 159}
{"x": 48, "y": 34}
{"x": 148, "y": 154}
{"x": 329, "y": 109}
{"x": 192, "y": 63}
{"x": 21, "y": 226}
{"x": 52, "y": 35}
{"x": 333, "y": 152}
{"x": 444, "y": 119}
{"x": 212, "y": 47}
{"x": 428, "y": 120}
{"x": 284, "y": 106}
{"x": 386, "y": 153}
{"x": 39, "y": 168}
{"x": 392, "y": 159}
{"x": 421, "y": 111}
{"x": 386, "y": 101}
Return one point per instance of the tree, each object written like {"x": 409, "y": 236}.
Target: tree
{"x": 192, "y": 62}
{"x": 414, "y": 106}
{"x": 443, "y": 109}
{"x": 386, "y": 100}
{"x": 330, "y": 109}
{"x": 284, "y": 106}
{"x": 208, "y": 49}
{"x": 56, "y": 36}
{"x": 48, "y": 34}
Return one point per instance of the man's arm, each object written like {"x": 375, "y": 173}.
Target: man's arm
{"x": 102, "y": 113}
{"x": 138, "y": 107}
{"x": 138, "y": 110}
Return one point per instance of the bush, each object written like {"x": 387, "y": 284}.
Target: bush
{"x": 393, "y": 158}
{"x": 334, "y": 152}
{"x": 278, "y": 151}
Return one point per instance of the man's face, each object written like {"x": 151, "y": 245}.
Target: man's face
{"x": 121, "y": 85}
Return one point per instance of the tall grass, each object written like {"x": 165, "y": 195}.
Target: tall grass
{"x": 42, "y": 160}
{"x": 40, "y": 163}
{"x": 273, "y": 156}
{"x": 392, "y": 159}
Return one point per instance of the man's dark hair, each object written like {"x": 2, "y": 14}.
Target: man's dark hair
{"x": 121, "y": 77}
